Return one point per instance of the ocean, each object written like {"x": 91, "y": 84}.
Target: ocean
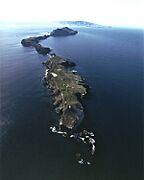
{"x": 111, "y": 61}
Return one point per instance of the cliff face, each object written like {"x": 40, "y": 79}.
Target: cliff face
{"x": 63, "y": 32}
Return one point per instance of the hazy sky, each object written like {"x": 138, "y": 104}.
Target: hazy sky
{"x": 105, "y": 12}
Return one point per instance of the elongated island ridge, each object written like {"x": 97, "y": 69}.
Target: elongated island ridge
{"x": 68, "y": 89}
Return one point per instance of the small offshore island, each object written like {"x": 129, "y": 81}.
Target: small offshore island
{"x": 68, "y": 89}
{"x": 63, "y": 32}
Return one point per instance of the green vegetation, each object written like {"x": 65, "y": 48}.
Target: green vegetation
{"x": 66, "y": 87}
{"x": 66, "y": 82}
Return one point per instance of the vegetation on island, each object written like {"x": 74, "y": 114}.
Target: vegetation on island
{"x": 68, "y": 88}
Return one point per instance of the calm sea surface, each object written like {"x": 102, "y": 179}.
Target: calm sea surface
{"x": 111, "y": 61}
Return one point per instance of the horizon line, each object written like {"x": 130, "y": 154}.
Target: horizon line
{"x": 56, "y": 21}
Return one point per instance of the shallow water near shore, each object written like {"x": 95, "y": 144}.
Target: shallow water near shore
{"x": 110, "y": 59}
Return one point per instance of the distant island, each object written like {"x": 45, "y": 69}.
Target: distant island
{"x": 63, "y": 32}
{"x": 80, "y": 24}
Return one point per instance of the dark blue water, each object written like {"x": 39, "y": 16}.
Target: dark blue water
{"x": 111, "y": 61}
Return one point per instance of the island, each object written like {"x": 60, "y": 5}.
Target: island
{"x": 79, "y": 24}
{"x": 34, "y": 42}
{"x": 63, "y": 32}
{"x": 68, "y": 89}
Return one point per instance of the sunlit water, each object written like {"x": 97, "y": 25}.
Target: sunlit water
{"x": 111, "y": 62}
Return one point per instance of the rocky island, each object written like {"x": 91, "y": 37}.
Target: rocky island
{"x": 34, "y": 42}
{"x": 63, "y": 32}
{"x": 68, "y": 89}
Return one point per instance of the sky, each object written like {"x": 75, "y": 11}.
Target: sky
{"x": 104, "y": 12}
